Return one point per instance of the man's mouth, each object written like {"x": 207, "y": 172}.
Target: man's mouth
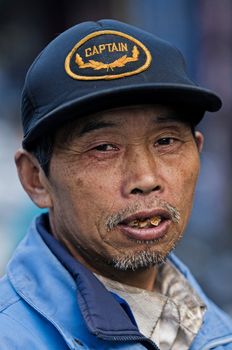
{"x": 146, "y": 226}
{"x": 145, "y": 223}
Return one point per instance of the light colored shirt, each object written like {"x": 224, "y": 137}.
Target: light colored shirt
{"x": 171, "y": 315}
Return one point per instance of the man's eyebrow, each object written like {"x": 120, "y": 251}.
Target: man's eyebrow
{"x": 94, "y": 125}
{"x": 168, "y": 118}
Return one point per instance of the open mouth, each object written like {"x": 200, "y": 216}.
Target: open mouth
{"x": 146, "y": 226}
{"x": 145, "y": 223}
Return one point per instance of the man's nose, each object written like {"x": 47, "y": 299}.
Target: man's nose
{"x": 142, "y": 175}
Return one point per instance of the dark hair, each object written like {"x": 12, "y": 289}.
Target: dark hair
{"x": 43, "y": 151}
{"x": 43, "y": 148}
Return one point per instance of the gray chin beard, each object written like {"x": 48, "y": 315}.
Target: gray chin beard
{"x": 136, "y": 261}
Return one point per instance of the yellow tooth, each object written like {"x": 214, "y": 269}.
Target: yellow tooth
{"x": 143, "y": 223}
{"x": 134, "y": 223}
{"x": 155, "y": 221}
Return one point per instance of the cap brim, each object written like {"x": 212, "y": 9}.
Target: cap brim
{"x": 165, "y": 94}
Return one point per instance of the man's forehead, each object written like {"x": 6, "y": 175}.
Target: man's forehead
{"x": 116, "y": 117}
{"x": 119, "y": 118}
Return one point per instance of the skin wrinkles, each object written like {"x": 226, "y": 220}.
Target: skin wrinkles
{"x": 111, "y": 165}
{"x": 87, "y": 185}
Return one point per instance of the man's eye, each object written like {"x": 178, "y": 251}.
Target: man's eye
{"x": 165, "y": 141}
{"x": 105, "y": 147}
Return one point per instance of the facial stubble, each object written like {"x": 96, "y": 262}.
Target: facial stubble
{"x": 145, "y": 255}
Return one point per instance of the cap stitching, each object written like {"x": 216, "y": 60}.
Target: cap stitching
{"x": 109, "y": 76}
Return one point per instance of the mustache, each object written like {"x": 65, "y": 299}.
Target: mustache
{"x": 114, "y": 219}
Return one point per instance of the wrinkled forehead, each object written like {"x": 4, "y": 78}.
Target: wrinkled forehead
{"x": 136, "y": 115}
{"x": 156, "y": 113}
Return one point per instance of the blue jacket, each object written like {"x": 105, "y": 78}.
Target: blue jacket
{"x": 45, "y": 306}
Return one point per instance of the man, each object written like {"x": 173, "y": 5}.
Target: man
{"x": 110, "y": 149}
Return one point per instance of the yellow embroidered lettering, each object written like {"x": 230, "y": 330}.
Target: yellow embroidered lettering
{"x": 123, "y": 46}
{"x": 102, "y": 47}
{"x": 88, "y": 52}
{"x": 114, "y": 47}
{"x": 95, "y": 51}
{"x": 109, "y": 47}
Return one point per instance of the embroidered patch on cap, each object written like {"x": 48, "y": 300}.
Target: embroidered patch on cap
{"x": 107, "y": 54}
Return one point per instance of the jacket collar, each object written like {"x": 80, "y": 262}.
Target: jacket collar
{"x": 42, "y": 281}
{"x": 216, "y": 325}
{"x": 104, "y": 316}
{"x": 46, "y": 277}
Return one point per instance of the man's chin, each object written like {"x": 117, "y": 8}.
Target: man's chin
{"x": 138, "y": 260}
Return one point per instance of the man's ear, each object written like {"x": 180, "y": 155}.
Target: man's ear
{"x": 199, "y": 137}
{"x": 33, "y": 179}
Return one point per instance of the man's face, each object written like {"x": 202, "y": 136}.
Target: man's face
{"x": 122, "y": 188}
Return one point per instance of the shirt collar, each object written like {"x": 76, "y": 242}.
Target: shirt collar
{"x": 171, "y": 315}
{"x": 106, "y": 314}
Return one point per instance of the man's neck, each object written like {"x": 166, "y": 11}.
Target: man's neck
{"x": 141, "y": 278}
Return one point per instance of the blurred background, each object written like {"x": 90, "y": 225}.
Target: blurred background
{"x": 202, "y": 30}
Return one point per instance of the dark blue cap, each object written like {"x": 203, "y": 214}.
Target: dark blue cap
{"x": 95, "y": 66}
